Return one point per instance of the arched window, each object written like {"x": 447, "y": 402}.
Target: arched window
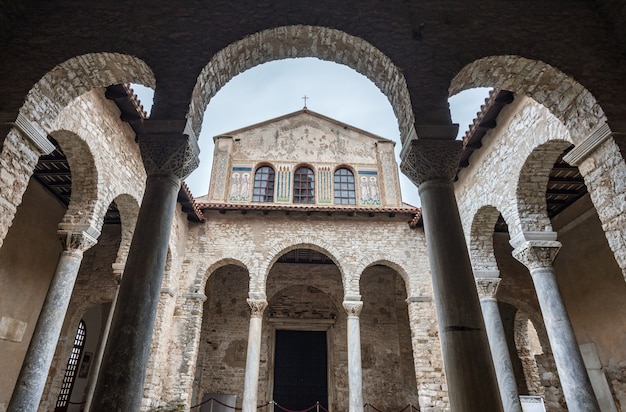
{"x": 303, "y": 185}
{"x": 345, "y": 193}
{"x": 263, "y": 190}
{"x": 72, "y": 367}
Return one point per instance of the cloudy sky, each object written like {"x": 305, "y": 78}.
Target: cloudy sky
{"x": 276, "y": 88}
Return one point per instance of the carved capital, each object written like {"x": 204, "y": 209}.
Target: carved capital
{"x": 431, "y": 159}
{"x": 257, "y": 306}
{"x": 536, "y": 254}
{"x": 353, "y": 307}
{"x": 165, "y": 153}
{"x": 487, "y": 287}
{"x": 77, "y": 238}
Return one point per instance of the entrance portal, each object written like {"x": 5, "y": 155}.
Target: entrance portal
{"x": 300, "y": 375}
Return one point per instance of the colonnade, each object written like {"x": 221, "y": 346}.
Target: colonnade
{"x": 169, "y": 153}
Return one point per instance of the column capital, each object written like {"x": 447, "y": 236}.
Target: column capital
{"x": 487, "y": 288}
{"x": 353, "y": 307}
{"x": 77, "y": 237}
{"x": 537, "y": 254}
{"x": 257, "y": 306}
{"x": 168, "y": 147}
{"x": 418, "y": 299}
{"x": 427, "y": 159}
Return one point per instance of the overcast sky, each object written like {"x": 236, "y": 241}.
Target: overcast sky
{"x": 276, "y": 88}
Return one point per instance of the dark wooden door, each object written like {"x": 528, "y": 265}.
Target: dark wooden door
{"x": 300, "y": 375}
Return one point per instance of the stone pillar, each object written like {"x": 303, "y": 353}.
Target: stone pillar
{"x": 95, "y": 368}
{"x": 353, "y": 305}
{"x": 487, "y": 288}
{"x": 258, "y": 304}
{"x": 20, "y": 151}
{"x": 537, "y": 256}
{"x": 168, "y": 156}
{"x": 429, "y": 375}
{"x": 32, "y": 378}
{"x": 431, "y": 163}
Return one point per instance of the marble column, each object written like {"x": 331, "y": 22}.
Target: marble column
{"x": 353, "y": 305}
{"x": 32, "y": 378}
{"x": 487, "y": 288}
{"x": 431, "y": 163}
{"x": 257, "y": 304}
{"x": 537, "y": 256}
{"x": 168, "y": 156}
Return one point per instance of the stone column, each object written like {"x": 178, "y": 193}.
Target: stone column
{"x": 537, "y": 256}
{"x": 258, "y": 304}
{"x": 32, "y": 378}
{"x": 487, "y": 288}
{"x": 353, "y": 305}
{"x": 95, "y": 368}
{"x": 168, "y": 156}
{"x": 431, "y": 163}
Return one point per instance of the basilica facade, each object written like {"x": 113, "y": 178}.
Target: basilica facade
{"x": 504, "y": 289}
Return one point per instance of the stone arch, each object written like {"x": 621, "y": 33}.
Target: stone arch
{"x": 480, "y": 240}
{"x": 303, "y": 41}
{"x": 315, "y": 244}
{"x": 399, "y": 269}
{"x": 563, "y": 96}
{"x": 128, "y": 208}
{"x": 85, "y": 197}
{"x": 76, "y": 76}
{"x": 206, "y": 273}
{"x": 532, "y": 184}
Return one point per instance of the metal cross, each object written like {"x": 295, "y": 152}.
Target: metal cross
{"x": 305, "y": 99}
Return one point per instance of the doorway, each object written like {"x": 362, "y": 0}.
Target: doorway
{"x": 300, "y": 369}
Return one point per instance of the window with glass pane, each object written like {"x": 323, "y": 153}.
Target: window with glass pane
{"x": 263, "y": 190}
{"x": 72, "y": 366}
{"x": 303, "y": 186}
{"x": 345, "y": 193}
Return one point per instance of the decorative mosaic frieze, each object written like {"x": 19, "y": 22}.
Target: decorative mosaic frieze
{"x": 324, "y": 185}
{"x": 283, "y": 191}
{"x": 368, "y": 187}
{"x": 240, "y": 183}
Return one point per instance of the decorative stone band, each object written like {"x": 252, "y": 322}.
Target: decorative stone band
{"x": 77, "y": 237}
{"x": 431, "y": 159}
{"x": 487, "y": 288}
{"x": 257, "y": 306}
{"x": 353, "y": 308}
{"x": 165, "y": 149}
{"x": 536, "y": 254}
{"x": 587, "y": 146}
{"x": 32, "y": 132}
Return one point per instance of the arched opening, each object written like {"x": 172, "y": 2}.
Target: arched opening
{"x": 305, "y": 292}
{"x": 387, "y": 355}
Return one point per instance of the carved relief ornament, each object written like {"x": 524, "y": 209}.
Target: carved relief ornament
{"x": 487, "y": 287}
{"x": 353, "y": 308}
{"x": 257, "y": 306}
{"x": 431, "y": 159}
{"x": 78, "y": 240}
{"x": 165, "y": 153}
{"x": 537, "y": 254}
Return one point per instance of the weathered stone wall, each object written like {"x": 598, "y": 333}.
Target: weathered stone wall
{"x": 521, "y": 151}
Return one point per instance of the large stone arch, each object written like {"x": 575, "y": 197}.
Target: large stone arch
{"x": 208, "y": 271}
{"x": 561, "y": 94}
{"x": 480, "y": 242}
{"x": 276, "y": 251}
{"x": 76, "y": 76}
{"x": 399, "y": 269}
{"x": 532, "y": 185}
{"x": 85, "y": 197}
{"x": 303, "y": 41}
